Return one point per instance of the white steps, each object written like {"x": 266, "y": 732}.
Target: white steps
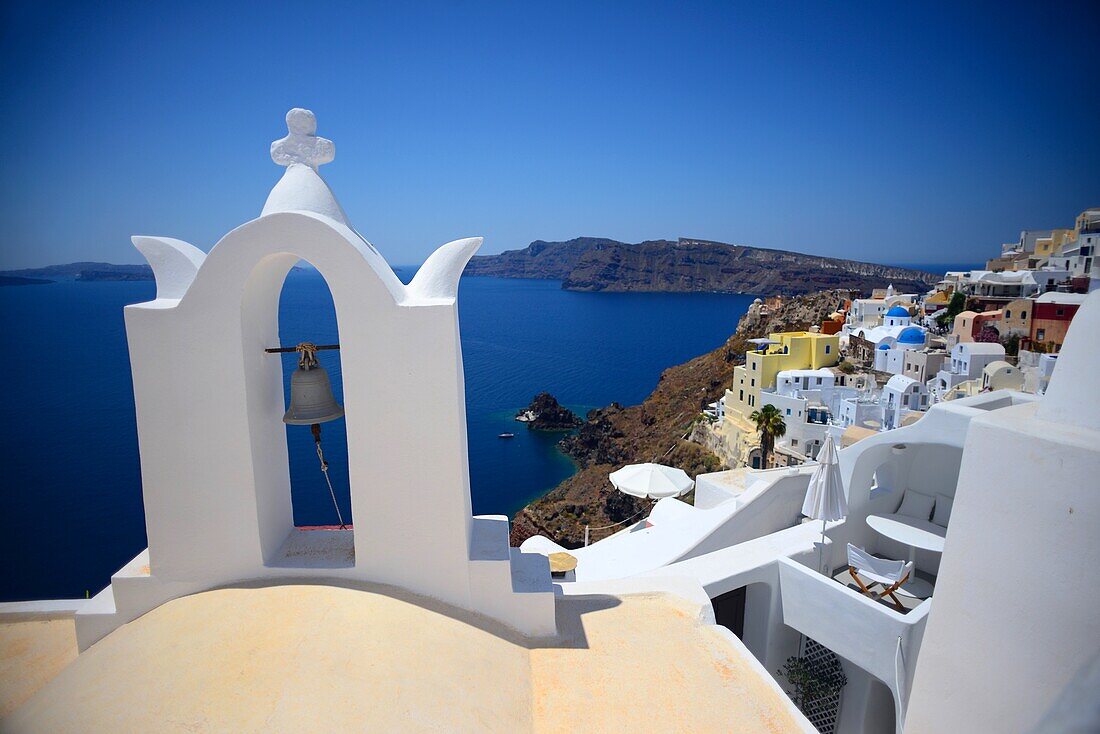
{"x": 96, "y": 619}
{"x": 508, "y": 584}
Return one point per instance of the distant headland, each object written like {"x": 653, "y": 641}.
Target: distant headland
{"x": 600, "y": 264}
{"x": 82, "y": 271}
{"x": 689, "y": 265}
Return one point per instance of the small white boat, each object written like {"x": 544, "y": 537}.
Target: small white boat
{"x": 506, "y": 435}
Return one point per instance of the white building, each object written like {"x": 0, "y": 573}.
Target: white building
{"x": 895, "y": 323}
{"x": 1037, "y": 370}
{"x": 793, "y": 382}
{"x": 809, "y": 402}
{"x": 901, "y": 396}
{"x": 1012, "y": 284}
{"x": 863, "y": 411}
{"x": 896, "y": 316}
{"x": 968, "y": 359}
{"x": 866, "y": 313}
{"x": 891, "y": 352}
{"x": 1000, "y": 375}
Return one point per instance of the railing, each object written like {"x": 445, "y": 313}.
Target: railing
{"x": 588, "y": 528}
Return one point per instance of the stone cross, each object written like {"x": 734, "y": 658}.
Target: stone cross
{"x": 302, "y": 145}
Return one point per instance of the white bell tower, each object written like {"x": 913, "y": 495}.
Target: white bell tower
{"x": 209, "y": 400}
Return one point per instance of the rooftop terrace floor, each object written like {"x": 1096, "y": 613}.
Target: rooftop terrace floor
{"x": 32, "y": 652}
{"x": 312, "y": 657}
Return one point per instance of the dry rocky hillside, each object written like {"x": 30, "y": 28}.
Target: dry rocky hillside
{"x": 653, "y": 431}
{"x": 600, "y": 264}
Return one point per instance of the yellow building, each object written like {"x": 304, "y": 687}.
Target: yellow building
{"x": 1052, "y": 246}
{"x": 1016, "y": 317}
{"x": 793, "y": 350}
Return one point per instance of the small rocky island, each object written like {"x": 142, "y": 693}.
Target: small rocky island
{"x": 545, "y": 413}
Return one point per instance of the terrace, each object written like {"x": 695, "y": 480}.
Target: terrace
{"x": 779, "y": 597}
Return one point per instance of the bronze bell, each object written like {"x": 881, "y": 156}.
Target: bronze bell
{"x": 311, "y": 398}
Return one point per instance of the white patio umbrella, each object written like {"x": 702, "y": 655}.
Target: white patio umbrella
{"x": 825, "y": 496}
{"x": 652, "y": 481}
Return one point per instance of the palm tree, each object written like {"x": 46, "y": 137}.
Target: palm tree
{"x": 771, "y": 426}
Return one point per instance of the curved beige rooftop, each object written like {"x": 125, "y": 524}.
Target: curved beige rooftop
{"x": 323, "y": 658}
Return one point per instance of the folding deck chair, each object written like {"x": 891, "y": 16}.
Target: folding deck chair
{"x": 889, "y": 574}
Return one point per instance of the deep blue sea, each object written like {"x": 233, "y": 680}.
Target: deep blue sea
{"x": 71, "y": 493}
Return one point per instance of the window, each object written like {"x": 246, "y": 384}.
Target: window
{"x": 1060, "y": 312}
{"x": 1040, "y": 334}
{"x": 788, "y": 411}
{"x": 828, "y": 348}
{"x": 1023, "y": 314}
{"x": 752, "y": 382}
{"x": 794, "y": 442}
{"x": 819, "y": 381}
{"x": 1008, "y": 313}
{"x": 742, "y": 396}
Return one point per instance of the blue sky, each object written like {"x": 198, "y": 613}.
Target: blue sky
{"x": 887, "y": 132}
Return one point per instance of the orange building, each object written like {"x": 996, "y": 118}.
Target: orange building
{"x": 1052, "y": 314}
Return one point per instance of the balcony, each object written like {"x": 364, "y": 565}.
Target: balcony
{"x": 875, "y": 636}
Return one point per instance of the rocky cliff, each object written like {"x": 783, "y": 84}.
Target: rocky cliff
{"x": 656, "y": 430}
{"x": 598, "y": 264}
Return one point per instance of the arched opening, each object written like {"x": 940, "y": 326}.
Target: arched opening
{"x": 307, "y": 314}
{"x": 283, "y": 507}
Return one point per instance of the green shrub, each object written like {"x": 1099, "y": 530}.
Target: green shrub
{"x": 812, "y": 680}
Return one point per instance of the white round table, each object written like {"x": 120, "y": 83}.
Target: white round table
{"x": 915, "y": 534}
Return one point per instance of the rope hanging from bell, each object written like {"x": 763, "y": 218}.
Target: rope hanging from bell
{"x": 316, "y": 429}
